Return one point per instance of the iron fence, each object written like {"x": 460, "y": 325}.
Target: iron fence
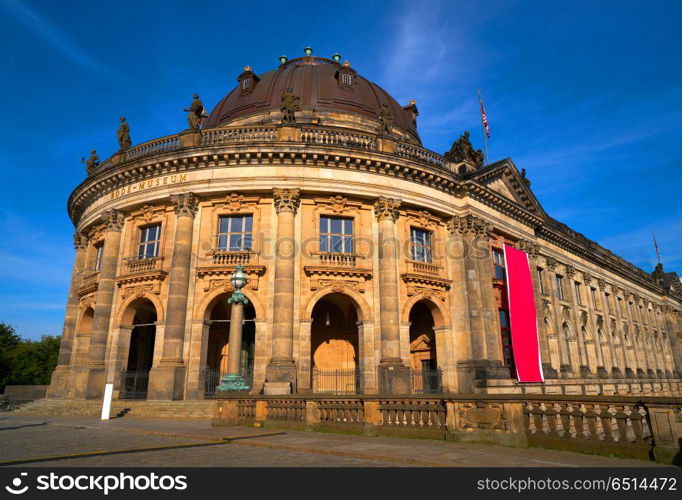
{"x": 337, "y": 382}
{"x": 428, "y": 381}
{"x": 213, "y": 376}
{"x": 134, "y": 384}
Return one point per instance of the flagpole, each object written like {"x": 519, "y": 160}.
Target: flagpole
{"x": 658, "y": 253}
{"x": 485, "y": 136}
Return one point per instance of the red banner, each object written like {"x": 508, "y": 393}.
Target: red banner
{"x": 522, "y": 316}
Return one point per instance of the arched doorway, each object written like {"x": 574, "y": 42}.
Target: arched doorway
{"x": 334, "y": 346}
{"x": 426, "y": 376}
{"x": 219, "y": 340}
{"x": 141, "y": 316}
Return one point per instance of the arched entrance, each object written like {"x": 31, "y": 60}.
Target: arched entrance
{"x": 426, "y": 376}
{"x": 334, "y": 345}
{"x": 219, "y": 340}
{"x": 141, "y": 316}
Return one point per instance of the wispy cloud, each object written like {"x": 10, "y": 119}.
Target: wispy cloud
{"x": 60, "y": 41}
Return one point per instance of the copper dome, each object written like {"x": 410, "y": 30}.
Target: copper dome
{"x": 316, "y": 82}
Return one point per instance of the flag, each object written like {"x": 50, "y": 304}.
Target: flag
{"x": 658, "y": 253}
{"x": 484, "y": 117}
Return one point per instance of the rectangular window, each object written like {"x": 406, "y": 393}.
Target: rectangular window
{"x": 607, "y": 302}
{"x": 336, "y": 235}
{"x": 541, "y": 279}
{"x": 578, "y": 294}
{"x": 420, "y": 240}
{"x": 346, "y": 79}
{"x": 560, "y": 286}
{"x": 505, "y": 332}
{"x": 99, "y": 252}
{"x": 595, "y": 302}
{"x": 246, "y": 83}
{"x": 498, "y": 264}
{"x": 235, "y": 233}
{"x": 150, "y": 237}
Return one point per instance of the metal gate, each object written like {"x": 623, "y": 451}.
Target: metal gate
{"x": 336, "y": 382}
{"x": 427, "y": 381}
{"x": 134, "y": 384}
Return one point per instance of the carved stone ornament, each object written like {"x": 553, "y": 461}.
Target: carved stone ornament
{"x": 570, "y": 270}
{"x": 186, "y": 204}
{"x": 551, "y": 263}
{"x": 469, "y": 224}
{"x": 463, "y": 152}
{"x": 286, "y": 200}
{"x": 601, "y": 282}
{"x": 113, "y": 220}
{"x": 387, "y": 208}
{"x": 80, "y": 241}
{"x": 234, "y": 202}
{"x": 86, "y": 302}
{"x": 530, "y": 247}
{"x": 587, "y": 278}
{"x": 338, "y": 203}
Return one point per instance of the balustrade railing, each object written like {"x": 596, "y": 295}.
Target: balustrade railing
{"x": 139, "y": 265}
{"x": 413, "y": 414}
{"x": 287, "y": 409}
{"x": 229, "y": 258}
{"x": 418, "y": 267}
{"x": 337, "y": 259}
{"x": 341, "y": 411}
{"x": 411, "y": 151}
{"x": 163, "y": 145}
{"x": 218, "y": 136}
{"x": 90, "y": 277}
{"x": 332, "y": 137}
{"x": 610, "y": 422}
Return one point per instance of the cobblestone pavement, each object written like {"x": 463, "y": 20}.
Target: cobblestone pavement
{"x": 24, "y": 437}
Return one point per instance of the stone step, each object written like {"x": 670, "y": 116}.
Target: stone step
{"x": 144, "y": 409}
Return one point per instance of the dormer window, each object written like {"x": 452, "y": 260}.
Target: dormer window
{"x": 346, "y": 79}
{"x": 247, "y": 81}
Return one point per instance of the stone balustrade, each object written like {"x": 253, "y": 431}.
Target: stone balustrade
{"x": 626, "y": 426}
{"x": 232, "y": 135}
{"x": 337, "y": 259}
{"x": 417, "y": 267}
{"x": 337, "y": 137}
{"x": 141, "y": 265}
{"x": 228, "y": 258}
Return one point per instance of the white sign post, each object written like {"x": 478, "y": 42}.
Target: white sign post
{"x": 106, "y": 403}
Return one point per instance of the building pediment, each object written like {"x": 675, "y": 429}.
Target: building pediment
{"x": 505, "y": 179}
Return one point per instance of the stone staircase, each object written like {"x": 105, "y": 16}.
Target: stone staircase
{"x": 202, "y": 409}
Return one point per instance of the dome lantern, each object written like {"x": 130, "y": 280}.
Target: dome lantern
{"x": 308, "y": 51}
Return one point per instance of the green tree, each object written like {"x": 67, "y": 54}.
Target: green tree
{"x": 8, "y": 341}
{"x": 26, "y": 362}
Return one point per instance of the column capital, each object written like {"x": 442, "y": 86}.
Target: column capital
{"x": 186, "y": 204}
{"x": 80, "y": 241}
{"x": 570, "y": 270}
{"x": 587, "y": 278}
{"x": 551, "y": 263}
{"x": 113, "y": 220}
{"x": 385, "y": 208}
{"x": 530, "y": 247}
{"x": 286, "y": 200}
{"x": 601, "y": 282}
{"x": 471, "y": 225}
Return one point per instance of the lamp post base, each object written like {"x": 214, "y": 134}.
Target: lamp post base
{"x": 232, "y": 382}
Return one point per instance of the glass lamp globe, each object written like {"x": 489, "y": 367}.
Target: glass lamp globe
{"x": 239, "y": 279}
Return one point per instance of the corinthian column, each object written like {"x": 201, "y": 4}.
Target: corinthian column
{"x": 167, "y": 379}
{"x": 394, "y": 376}
{"x": 280, "y": 376}
{"x": 61, "y": 373}
{"x": 90, "y": 380}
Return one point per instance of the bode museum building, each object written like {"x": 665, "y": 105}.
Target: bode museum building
{"x": 300, "y": 239}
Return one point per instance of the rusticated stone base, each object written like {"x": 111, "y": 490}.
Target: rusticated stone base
{"x": 394, "y": 378}
{"x": 166, "y": 383}
{"x": 59, "y": 383}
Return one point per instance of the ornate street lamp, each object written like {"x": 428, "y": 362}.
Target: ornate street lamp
{"x": 233, "y": 380}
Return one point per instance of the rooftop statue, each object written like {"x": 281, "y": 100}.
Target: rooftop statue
{"x": 463, "y": 151}
{"x": 288, "y": 107}
{"x": 195, "y": 113}
{"x": 386, "y": 119}
{"x": 91, "y": 163}
{"x": 123, "y": 135}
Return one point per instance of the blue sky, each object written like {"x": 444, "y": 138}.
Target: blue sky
{"x": 586, "y": 96}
